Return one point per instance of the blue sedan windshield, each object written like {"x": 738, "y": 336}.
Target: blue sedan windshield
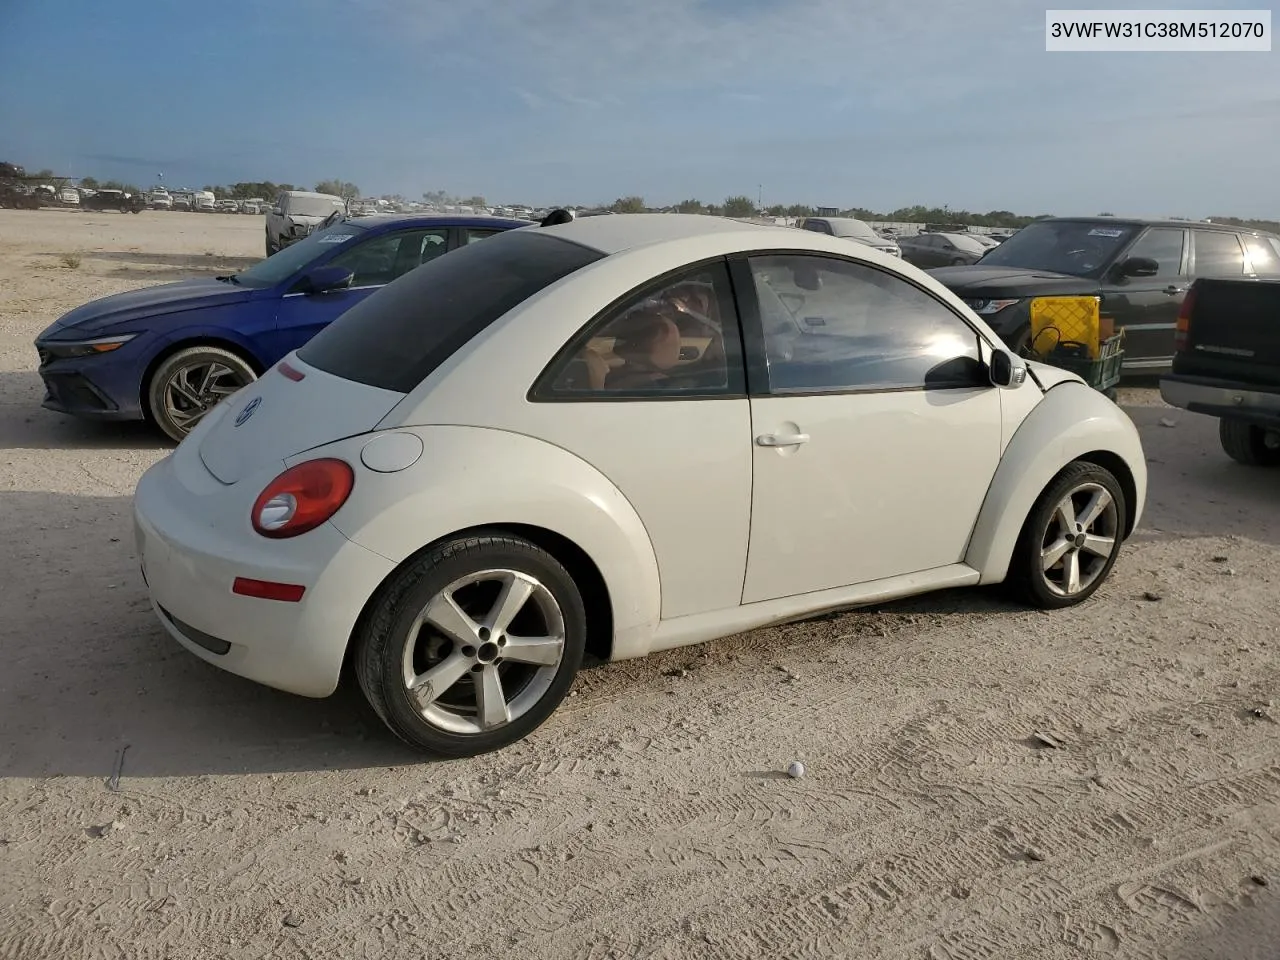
{"x": 283, "y": 265}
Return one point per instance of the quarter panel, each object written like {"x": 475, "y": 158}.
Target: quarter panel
{"x": 470, "y": 477}
{"x": 1070, "y": 421}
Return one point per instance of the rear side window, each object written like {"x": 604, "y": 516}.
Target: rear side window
{"x": 400, "y": 334}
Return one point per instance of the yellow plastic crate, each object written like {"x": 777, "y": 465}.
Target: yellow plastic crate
{"x": 1056, "y": 320}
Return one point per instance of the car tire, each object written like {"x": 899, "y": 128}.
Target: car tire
{"x": 399, "y": 645}
{"x": 1050, "y": 545}
{"x": 178, "y": 386}
{"x": 1246, "y": 443}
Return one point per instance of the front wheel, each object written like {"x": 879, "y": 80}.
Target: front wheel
{"x": 1071, "y": 538}
{"x": 189, "y": 384}
{"x": 1247, "y": 443}
{"x": 473, "y": 645}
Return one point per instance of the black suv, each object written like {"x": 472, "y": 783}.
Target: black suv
{"x": 113, "y": 200}
{"x": 1140, "y": 268}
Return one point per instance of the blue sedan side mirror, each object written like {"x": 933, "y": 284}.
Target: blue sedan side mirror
{"x": 322, "y": 279}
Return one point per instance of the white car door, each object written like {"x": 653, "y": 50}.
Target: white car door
{"x": 876, "y": 429}
{"x": 652, "y": 394}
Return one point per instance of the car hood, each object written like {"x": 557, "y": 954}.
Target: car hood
{"x": 146, "y": 303}
{"x": 977, "y": 281}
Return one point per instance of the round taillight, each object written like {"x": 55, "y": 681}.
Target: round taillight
{"x": 302, "y": 498}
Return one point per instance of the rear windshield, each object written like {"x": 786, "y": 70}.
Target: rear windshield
{"x": 401, "y": 333}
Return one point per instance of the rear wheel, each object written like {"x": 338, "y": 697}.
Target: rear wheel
{"x": 473, "y": 645}
{"x": 1247, "y": 443}
{"x": 189, "y": 384}
{"x": 1071, "y": 538}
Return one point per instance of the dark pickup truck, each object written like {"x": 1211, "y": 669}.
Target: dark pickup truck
{"x": 1227, "y": 364}
{"x": 114, "y": 200}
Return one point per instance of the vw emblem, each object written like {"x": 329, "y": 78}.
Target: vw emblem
{"x": 248, "y": 410}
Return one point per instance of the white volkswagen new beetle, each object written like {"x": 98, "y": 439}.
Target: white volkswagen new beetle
{"x": 613, "y": 436}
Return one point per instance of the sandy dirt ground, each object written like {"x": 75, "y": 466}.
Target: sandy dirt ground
{"x": 650, "y": 816}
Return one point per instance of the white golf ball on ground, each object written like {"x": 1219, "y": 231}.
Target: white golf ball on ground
{"x": 795, "y": 770}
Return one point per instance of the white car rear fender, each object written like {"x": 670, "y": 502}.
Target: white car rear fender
{"x": 1071, "y": 422}
{"x": 471, "y": 477}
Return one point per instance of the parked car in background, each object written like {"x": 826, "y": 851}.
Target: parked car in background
{"x": 1227, "y": 364}
{"x": 252, "y": 205}
{"x": 227, "y": 206}
{"x": 203, "y": 201}
{"x": 182, "y": 200}
{"x": 985, "y": 239}
{"x": 160, "y": 199}
{"x": 614, "y": 436}
{"x": 1140, "y": 268}
{"x": 295, "y": 213}
{"x": 941, "y": 249}
{"x": 168, "y": 353}
{"x": 114, "y": 200}
{"x": 69, "y": 197}
{"x": 847, "y": 228}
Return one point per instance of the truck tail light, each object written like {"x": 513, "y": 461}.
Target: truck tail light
{"x": 1184, "y": 321}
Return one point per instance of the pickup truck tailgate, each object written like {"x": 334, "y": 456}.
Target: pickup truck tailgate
{"x": 1232, "y": 325}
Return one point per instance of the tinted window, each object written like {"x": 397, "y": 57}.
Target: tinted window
{"x": 847, "y": 326}
{"x": 817, "y": 226}
{"x": 1075, "y": 247}
{"x": 391, "y": 255}
{"x": 1218, "y": 254}
{"x": 397, "y": 336}
{"x": 679, "y": 337}
{"x": 1264, "y": 256}
{"x": 473, "y": 235}
{"x": 1163, "y": 245}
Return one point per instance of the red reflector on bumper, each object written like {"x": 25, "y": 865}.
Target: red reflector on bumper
{"x": 266, "y": 590}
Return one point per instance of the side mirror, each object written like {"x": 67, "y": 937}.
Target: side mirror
{"x": 1008, "y": 372}
{"x": 323, "y": 279}
{"x": 277, "y": 211}
{"x": 1139, "y": 267}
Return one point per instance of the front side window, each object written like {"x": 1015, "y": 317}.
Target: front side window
{"x": 1218, "y": 254}
{"x": 678, "y": 337}
{"x": 398, "y": 335}
{"x": 474, "y": 234}
{"x": 391, "y": 255}
{"x": 1164, "y": 246}
{"x": 831, "y": 326}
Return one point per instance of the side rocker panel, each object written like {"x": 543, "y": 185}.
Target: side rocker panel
{"x": 464, "y": 471}
{"x": 1071, "y": 421}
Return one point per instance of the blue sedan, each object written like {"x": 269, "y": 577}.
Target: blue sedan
{"x": 169, "y": 353}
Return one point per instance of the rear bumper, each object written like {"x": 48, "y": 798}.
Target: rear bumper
{"x": 1227, "y": 399}
{"x": 194, "y": 543}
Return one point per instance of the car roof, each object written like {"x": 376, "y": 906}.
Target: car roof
{"x": 1156, "y": 222}
{"x": 311, "y": 193}
{"x": 624, "y": 231}
{"x": 439, "y": 219}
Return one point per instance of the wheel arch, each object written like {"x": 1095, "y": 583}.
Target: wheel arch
{"x": 582, "y": 569}
{"x": 195, "y": 340}
{"x": 1071, "y": 423}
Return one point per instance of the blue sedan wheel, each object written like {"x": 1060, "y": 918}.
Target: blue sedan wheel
{"x": 191, "y": 383}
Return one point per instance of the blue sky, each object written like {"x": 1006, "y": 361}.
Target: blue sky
{"x": 874, "y": 103}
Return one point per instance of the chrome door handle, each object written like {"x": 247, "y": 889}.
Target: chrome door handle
{"x": 782, "y": 439}
{"x": 1171, "y": 290}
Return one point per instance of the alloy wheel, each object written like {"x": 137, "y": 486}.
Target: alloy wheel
{"x": 483, "y": 651}
{"x": 1079, "y": 539}
{"x": 193, "y": 390}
